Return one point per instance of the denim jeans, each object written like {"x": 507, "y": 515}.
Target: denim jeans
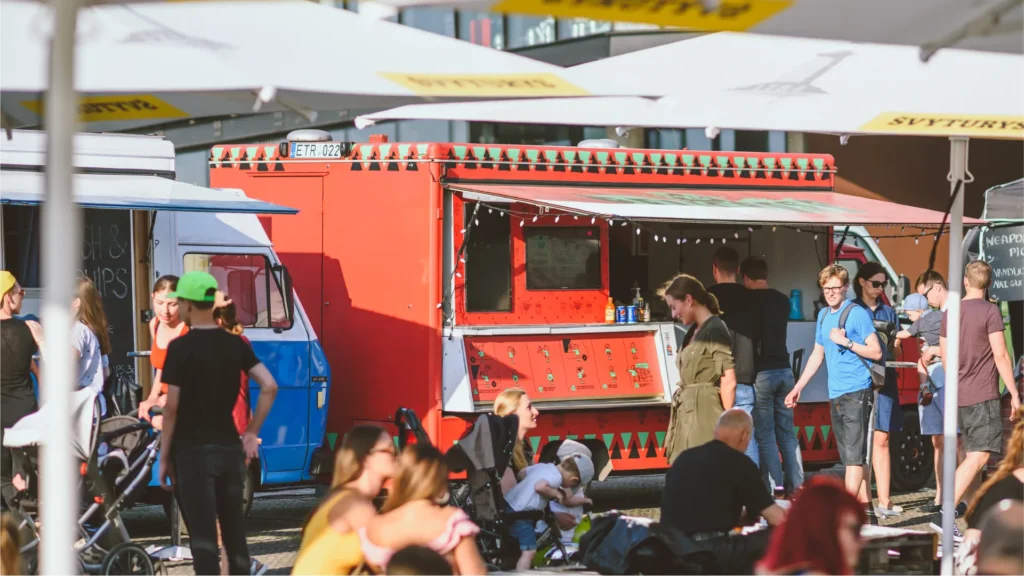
{"x": 773, "y": 427}
{"x": 209, "y": 481}
{"x": 745, "y": 401}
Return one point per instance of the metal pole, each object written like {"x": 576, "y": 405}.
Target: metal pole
{"x": 957, "y": 172}
{"x": 61, "y": 244}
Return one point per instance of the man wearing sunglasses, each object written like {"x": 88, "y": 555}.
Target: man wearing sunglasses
{"x": 849, "y": 378}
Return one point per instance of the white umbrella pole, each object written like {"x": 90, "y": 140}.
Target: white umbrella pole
{"x": 957, "y": 172}
{"x": 61, "y": 244}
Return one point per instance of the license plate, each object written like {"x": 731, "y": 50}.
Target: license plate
{"x": 316, "y": 150}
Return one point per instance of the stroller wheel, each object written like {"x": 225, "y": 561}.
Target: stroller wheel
{"x": 128, "y": 558}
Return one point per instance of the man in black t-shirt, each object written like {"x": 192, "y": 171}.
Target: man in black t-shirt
{"x": 17, "y": 396}
{"x": 200, "y": 449}
{"x": 773, "y": 421}
{"x": 709, "y": 487}
{"x": 734, "y": 300}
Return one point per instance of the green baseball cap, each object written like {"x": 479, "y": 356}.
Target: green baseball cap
{"x": 196, "y": 286}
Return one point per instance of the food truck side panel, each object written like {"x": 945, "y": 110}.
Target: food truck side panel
{"x": 366, "y": 258}
{"x": 382, "y": 255}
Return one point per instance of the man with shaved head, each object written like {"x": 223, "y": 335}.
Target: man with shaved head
{"x": 1001, "y": 550}
{"x": 710, "y": 488}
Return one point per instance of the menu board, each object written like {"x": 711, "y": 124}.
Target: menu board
{"x": 567, "y": 258}
{"x": 614, "y": 365}
{"x": 107, "y": 261}
{"x": 1003, "y": 249}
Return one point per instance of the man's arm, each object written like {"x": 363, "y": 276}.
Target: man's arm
{"x": 813, "y": 363}
{"x": 727, "y": 388}
{"x": 774, "y": 514}
{"x": 268, "y": 391}
{"x": 1005, "y": 367}
{"x": 869, "y": 350}
{"x": 942, "y": 350}
{"x": 170, "y": 419}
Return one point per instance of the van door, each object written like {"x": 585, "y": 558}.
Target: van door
{"x": 280, "y": 342}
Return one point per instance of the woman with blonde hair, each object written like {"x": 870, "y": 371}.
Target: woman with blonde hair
{"x": 707, "y": 384}
{"x": 365, "y": 461}
{"x": 413, "y": 516}
{"x": 10, "y": 549}
{"x": 515, "y": 401}
{"x": 1007, "y": 483}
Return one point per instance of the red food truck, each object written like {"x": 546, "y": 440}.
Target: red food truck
{"x": 436, "y": 275}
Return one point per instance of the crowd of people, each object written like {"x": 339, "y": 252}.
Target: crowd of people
{"x": 731, "y": 443}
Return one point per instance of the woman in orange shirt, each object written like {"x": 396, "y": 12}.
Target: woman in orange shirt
{"x": 166, "y": 326}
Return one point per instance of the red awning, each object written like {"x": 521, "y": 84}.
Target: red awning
{"x": 711, "y": 206}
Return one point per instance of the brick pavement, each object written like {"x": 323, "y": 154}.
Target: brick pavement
{"x": 275, "y": 523}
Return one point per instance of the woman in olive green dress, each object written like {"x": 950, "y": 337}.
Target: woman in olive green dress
{"x": 707, "y": 379}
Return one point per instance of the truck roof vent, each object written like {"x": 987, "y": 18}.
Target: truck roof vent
{"x": 599, "y": 143}
{"x": 309, "y": 135}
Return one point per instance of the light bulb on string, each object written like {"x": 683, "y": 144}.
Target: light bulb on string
{"x": 611, "y": 223}
{"x": 736, "y": 235}
{"x": 698, "y": 241}
{"x": 535, "y": 218}
{"x": 679, "y": 241}
{"x": 458, "y": 275}
{"x": 463, "y": 231}
{"x": 917, "y": 240}
{"x": 575, "y": 217}
{"x": 638, "y": 231}
{"x": 774, "y": 228}
{"x": 521, "y": 223}
{"x": 501, "y": 212}
{"x": 461, "y": 259}
{"x": 655, "y": 237}
{"x": 625, "y": 223}
{"x": 723, "y": 240}
{"x": 476, "y": 222}
{"x": 490, "y": 211}
{"x": 664, "y": 239}
{"x": 750, "y": 228}
{"x": 815, "y": 236}
{"x": 712, "y": 240}
{"x": 556, "y": 219}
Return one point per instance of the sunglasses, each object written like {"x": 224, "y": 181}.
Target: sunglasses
{"x": 878, "y": 283}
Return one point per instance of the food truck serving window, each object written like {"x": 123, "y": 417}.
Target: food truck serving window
{"x": 488, "y": 262}
{"x": 563, "y": 258}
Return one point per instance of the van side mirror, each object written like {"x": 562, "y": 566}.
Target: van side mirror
{"x": 904, "y": 289}
{"x": 285, "y": 277}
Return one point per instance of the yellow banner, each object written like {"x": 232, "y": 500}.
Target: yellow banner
{"x": 734, "y": 15}
{"x": 118, "y": 108}
{"x": 496, "y": 85}
{"x": 971, "y": 125}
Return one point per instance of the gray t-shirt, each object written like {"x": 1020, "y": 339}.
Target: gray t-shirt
{"x": 927, "y": 327}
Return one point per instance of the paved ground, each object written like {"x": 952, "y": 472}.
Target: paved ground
{"x": 276, "y": 519}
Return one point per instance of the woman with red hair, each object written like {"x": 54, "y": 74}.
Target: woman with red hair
{"x": 821, "y": 534}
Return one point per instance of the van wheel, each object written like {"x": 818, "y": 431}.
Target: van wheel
{"x": 911, "y": 455}
{"x": 249, "y": 488}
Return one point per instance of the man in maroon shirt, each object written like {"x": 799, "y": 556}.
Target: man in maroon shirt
{"x": 983, "y": 360}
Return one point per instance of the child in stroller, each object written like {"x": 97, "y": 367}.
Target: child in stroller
{"x": 117, "y": 456}
{"x": 543, "y": 483}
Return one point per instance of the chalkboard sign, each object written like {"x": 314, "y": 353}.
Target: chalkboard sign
{"x": 1004, "y": 251}
{"x": 107, "y": 260}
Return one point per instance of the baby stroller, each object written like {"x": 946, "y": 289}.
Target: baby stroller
{"x": 484, "y": 454}
{"x": 116, "y": 458}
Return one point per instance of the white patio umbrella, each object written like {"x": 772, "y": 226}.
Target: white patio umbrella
{"x": 990, "y": 25}
{"x": 154, "y": 61}
{"x": 754, "y": 82}
{"x": 143, "y": 63}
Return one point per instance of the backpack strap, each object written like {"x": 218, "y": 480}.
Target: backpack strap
{"x": 845, "y": 314}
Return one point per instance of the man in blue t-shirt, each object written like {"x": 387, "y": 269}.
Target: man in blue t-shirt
{"x": 844, "y": 351}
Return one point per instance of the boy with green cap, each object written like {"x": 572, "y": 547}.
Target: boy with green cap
{"x": 200, "y": 448}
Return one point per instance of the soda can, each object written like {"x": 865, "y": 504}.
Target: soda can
{"x": 620, "y": 314}
{"x": 631, "y": 314}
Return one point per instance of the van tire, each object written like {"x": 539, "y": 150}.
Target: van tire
{"x": 910, "y": 454}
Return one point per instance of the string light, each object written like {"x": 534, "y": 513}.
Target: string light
{"x": 684, "y": 241}
{"x": 463, "y": 231}
{"x": 575, "y": 217}
{"x": 521, "y": 223}
{"x": 712, "y": 240}
{"x": 535, "y": 218}
{"x": 625, "y": 223}
{"x": 664, "y": 239}
{"x": 679, "y": 241}
{"x": 476, "y": 222}
{"x": 698, "y": 241}
{"x": 723, "y": 240}
{"x": 556, "y": 219}
{"x": 461, "y": 259}
{"x": 774, "y": 228}
{"x": 750, "y": 228}
{"x": 637, "y": 230}
{"x": 592, "y": 220}
{"x": 501, "y": 212}
{"x": 655, "y": 237}
{"x": 736, "y": 235}
{"x": 490, "y": 211}
{"x": 815, "y": 236}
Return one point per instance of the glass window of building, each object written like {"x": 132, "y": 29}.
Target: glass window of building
{"x": 752, "y": 141}
{"x": 530, "y": 30}
{"x": 581, "y": 27}
{"x": 432, "y": 19}
{"x": 666, "y": 139}
{"x": 482, "y": 28}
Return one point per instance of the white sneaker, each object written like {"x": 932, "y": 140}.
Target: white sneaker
{"x": 894, "y": 510}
